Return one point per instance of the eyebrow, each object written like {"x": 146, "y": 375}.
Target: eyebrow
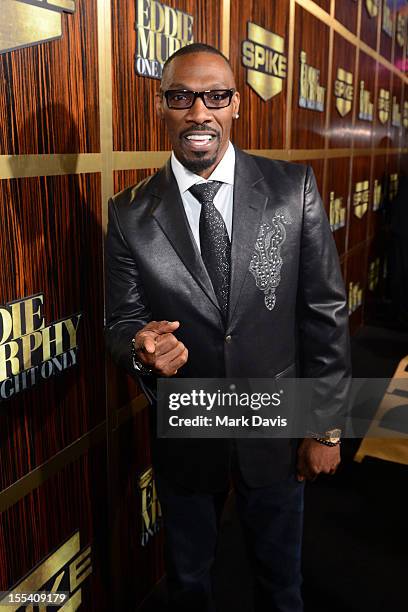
{"x": 214, "y": 86}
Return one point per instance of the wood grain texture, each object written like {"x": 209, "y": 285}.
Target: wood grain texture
{"x": 126, "y": 178}
{"x": 262, "y": 123}
{"x": 51, "y": 243}
{"x": 324, "y": 4}
{"x": 346, "y": 13}
{"x": 49, "y": 92}
{"x": 74, "y": 499}
{"x": 139, "y": 567}
{"x": 135, "y": 125}
{"x": 361, "y": 171}
{"x": 308, "y": 126}
{"x": 341, "y": 130}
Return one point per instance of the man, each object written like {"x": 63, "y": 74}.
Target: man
{"x": 222, "y": 265}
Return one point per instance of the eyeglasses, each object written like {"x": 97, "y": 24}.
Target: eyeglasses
{"x": 213, "y": 98}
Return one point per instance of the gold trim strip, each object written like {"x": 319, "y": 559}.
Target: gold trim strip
{"x": 23, "y": 166}
{"x": 27, "y": 483}
{"x": 138, "y": 404}
{"x": 225, "y": 27}
{"x": 105, "y": 102}
{"x": 136, "y": 160}
{"x": 318, "y": 12}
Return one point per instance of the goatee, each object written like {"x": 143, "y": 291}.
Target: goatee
{"x": 200, "y": 163}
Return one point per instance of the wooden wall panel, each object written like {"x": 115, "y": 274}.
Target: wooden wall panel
{"x": 47, "y": 103}
{"x": 308, "y": 125}
{"x": 338, "y": 180}
{"x": 369, "y": 23}
{"x": 51, "y": 243}
{"x": 135, "y": 125}
{"x": 139, "y": 567}
{"x": 340, "y": 131}
{"x": 358, "y": 218}
{"x": 363, "y": 131}
{"x": 73, "y": 501}
{"x": 126, "y": 178}
{"x": 346, "y": 13}
{"x": 263, "y": 125}
{"x": 324, "y": 4}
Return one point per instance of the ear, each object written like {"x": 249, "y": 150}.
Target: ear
{"x": 235, "y": 102}
{"x": 159, "y": 105}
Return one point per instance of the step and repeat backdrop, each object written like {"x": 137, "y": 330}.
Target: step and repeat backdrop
{"x": 323, "y": 83}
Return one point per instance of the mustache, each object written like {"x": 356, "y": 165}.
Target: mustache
{"x": 199, "y": 127}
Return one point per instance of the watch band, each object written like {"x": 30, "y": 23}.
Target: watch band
{"x": 326, "y": 442}
{"x": 137, "y": 364}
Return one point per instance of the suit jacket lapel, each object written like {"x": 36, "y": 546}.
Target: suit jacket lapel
{"x": 168, "y": 210}
{"x": 249, "y": 204}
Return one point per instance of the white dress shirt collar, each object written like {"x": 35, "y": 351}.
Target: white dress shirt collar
{"x": 224, "y": 171}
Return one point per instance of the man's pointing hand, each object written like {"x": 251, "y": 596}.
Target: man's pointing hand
{"x": 158, "y": 348}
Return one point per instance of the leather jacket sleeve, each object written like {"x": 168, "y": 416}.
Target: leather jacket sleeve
{"x": 324, "y": 345}
{"x": 127, "y": 310}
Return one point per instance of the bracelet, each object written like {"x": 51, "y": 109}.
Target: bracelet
{"x": 138, "y": 365}
{"x": 326, "y": 442}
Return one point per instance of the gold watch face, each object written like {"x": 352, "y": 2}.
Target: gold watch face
{"x": 333, "y": 435}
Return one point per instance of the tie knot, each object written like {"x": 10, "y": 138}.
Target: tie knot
{"x": 205, "y": 192}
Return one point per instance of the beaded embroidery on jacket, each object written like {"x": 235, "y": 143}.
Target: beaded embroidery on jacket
{"x": 266, "y": 262}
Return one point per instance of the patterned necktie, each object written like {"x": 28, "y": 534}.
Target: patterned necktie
{"x": 214, "y": 241}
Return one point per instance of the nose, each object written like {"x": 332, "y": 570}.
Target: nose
{"x": 198, "y": 113}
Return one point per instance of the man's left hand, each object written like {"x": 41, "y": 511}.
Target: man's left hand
{"x": 315, "y": 458}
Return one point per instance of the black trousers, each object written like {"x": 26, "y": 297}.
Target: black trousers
{"x": 272, "y": 520}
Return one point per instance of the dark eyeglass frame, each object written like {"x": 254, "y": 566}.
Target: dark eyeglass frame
{"x": 198, "y": 94}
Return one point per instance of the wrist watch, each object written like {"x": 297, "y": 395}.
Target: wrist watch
{"x": 137, "y": 364}
{"x": 329, "y": 438}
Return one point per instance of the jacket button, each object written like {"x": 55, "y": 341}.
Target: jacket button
{"x": 228, "y": 339}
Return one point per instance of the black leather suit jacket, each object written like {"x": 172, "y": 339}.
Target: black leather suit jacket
{"x": 293, "y": 323}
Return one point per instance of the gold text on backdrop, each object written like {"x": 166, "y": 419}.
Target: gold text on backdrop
{"x": 311, "y": 93}
{"x": 151, "y": 511}
{"x": 360, "y": 198}
{"x": 384, "y": 105}
{"x": 63, "y": 571}
{"x": 263, "y": 57}
{"x": 30, "y": 350}
{"x": 160, "y": 31}
{"x": 365, "y": 110}
{"x": 355, "y": 296}
{"x": 343, "y": 91}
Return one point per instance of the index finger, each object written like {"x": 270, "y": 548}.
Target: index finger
{"x": 162, "y": 327}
